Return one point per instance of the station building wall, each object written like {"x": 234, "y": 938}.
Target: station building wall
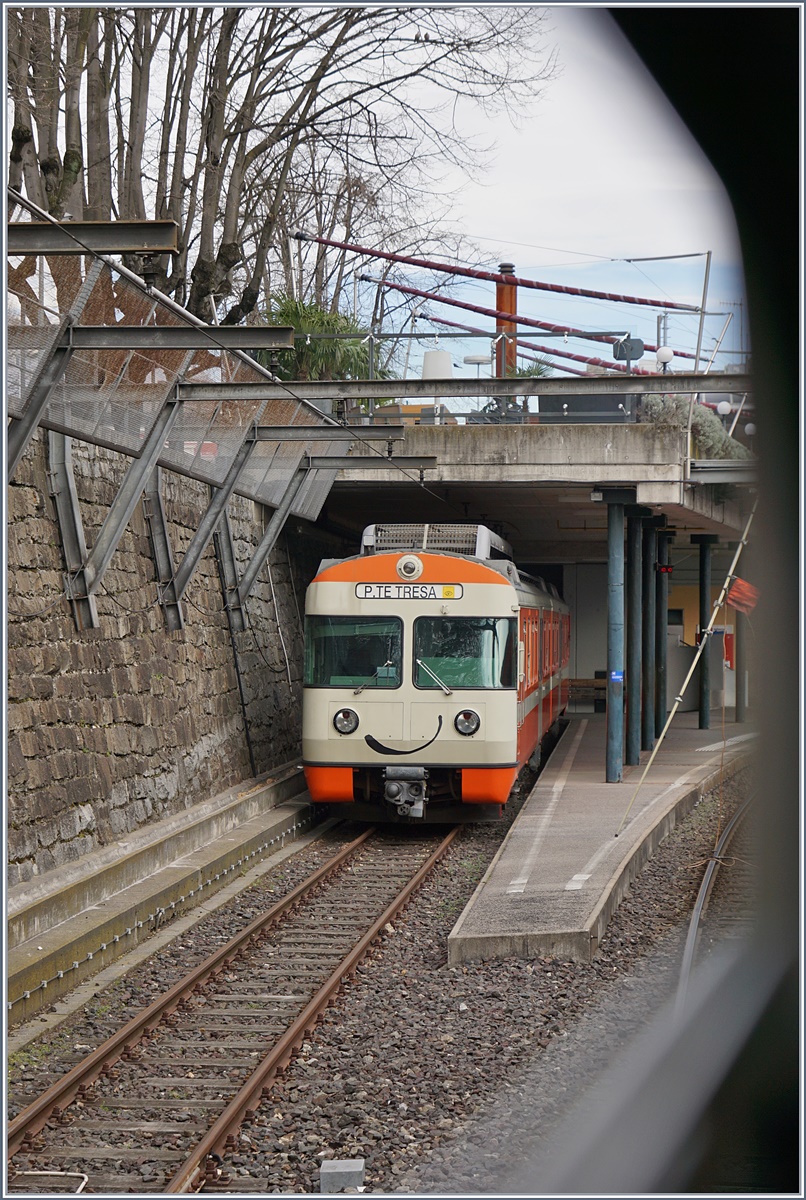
{"x": 686, "y": 598}
{"x": 113, "y": 728}
{"x": 585, "y": 592}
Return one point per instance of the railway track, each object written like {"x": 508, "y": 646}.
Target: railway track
{"x": 726, "y": 899}
{"x": 157, "y": 1107}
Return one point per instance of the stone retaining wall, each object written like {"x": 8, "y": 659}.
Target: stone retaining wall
{"x": 114, "y": 727}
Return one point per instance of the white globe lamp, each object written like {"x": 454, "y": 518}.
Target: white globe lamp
{"x": 664, "y": 355}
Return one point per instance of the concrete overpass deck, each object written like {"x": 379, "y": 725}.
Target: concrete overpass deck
{"x": 538, "y": 482}
{"x": 562, "y": 871}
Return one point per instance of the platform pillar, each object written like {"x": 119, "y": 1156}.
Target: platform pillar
{"x": 705, "y": 541}
{"x": 661, "y": 628}
{"x": 634, "y": 621}
{"x": 648, "y": 639}
{"x": 615, "y": 642}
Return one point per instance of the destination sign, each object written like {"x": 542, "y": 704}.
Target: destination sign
{"x": 408, "y": 591}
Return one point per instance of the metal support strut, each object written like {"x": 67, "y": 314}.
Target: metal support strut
{"x": 705, "y": 541}
{"x": 270, "y": 536}
{"x": 661, "y": 628}
{"x": 154, "y": 512}
{"x": 648, "y": 639}
{"x": 634, "y": 626}
{"x": 615, "y": 642}
{"x": 50, "y": 371}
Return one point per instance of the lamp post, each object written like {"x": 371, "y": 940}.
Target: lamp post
{"x": 724, "y": 409}
{"x": 477, "y": 361}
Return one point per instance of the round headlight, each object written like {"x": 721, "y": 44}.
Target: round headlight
{"x": 346, "y": 721}
{"x": 467, "y": 722}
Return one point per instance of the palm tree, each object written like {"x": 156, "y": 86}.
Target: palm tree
{"x": 537, "y": 369}
{"x": 323, "y": 347}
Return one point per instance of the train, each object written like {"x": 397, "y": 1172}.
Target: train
{"x": 434, "y": 671}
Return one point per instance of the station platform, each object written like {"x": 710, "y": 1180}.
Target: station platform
{"x": 571, "y": 853}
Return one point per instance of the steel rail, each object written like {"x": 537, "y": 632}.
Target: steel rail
{"x": 55, "y": 1099}
{"x": 706, "y": 887}
{"x": 210, "y": 1151}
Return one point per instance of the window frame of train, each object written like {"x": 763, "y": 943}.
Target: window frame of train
{"x": 454, "y": 671}
{"x": 326, "y": 635}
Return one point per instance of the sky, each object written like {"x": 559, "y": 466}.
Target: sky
{"x": 599, "y": 171}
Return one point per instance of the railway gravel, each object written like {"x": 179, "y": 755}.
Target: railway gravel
{"x": 422, "y": 1069}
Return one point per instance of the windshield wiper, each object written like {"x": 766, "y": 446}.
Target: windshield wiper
{"x": 434, "y": 676}
{"x": 367, "y": 682}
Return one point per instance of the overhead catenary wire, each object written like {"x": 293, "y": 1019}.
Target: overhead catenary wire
{"x": 515, "y": 319}
{"x": 594, "y": 362}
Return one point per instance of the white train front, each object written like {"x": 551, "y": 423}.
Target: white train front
{"x": 431, "y": 676}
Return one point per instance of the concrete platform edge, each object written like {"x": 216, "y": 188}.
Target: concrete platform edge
{"x": 581, "y": 945}
{"x": 37, "y": 905}
{"x": 634, "y": 862}
{"x": 74, "y": 1000}
{"x": 56, "y": 959}
{"x": 86, "y": 944}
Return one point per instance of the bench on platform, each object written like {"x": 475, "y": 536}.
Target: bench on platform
{"x": 587, "y": 689}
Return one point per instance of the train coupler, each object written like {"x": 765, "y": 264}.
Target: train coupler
{"x": 405, "y": 789}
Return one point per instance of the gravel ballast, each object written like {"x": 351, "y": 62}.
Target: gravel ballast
{"x": 422, "y": 1069}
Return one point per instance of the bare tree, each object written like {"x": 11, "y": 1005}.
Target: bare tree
{"x": 236, "y": 121}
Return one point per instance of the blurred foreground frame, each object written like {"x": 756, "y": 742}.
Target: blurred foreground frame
{"x": 712, "y": 1104}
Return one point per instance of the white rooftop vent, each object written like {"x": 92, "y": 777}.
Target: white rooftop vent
{"x": 437, "y": 364}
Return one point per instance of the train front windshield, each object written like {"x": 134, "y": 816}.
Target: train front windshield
{"x": 353, "y": 652}
{"x": 465, "y": 652}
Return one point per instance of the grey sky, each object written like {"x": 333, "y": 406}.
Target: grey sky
{"x": 604, "y": 165}
{"x": 601, "y": 170}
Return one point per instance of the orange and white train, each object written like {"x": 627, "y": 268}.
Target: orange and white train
{"x": 433, "y": 672}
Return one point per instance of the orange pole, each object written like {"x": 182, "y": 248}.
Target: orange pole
{"x": 506, "y": 300}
